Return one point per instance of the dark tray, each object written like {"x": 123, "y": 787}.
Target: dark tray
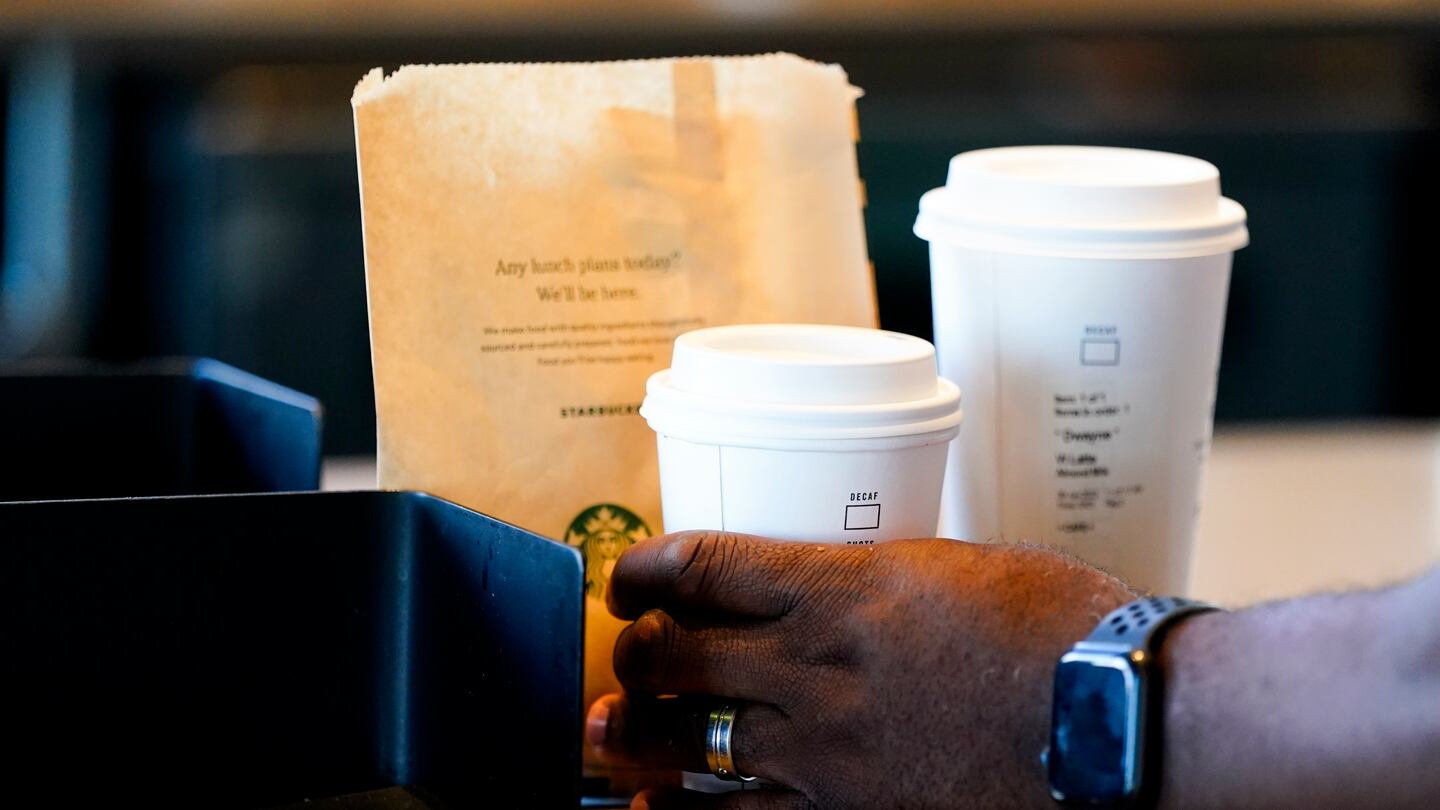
{"x": 264, "y": 650}
{"x": 174, "y": 427}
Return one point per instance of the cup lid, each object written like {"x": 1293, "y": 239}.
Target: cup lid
{"x": 1083, "y": 202}
{"x": 799, "y": 381}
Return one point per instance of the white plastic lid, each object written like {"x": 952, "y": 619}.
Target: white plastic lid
{"x": 1083, "y": 202}
{"x": 737, "y": 384}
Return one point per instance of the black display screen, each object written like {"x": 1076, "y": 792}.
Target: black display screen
{"x": 1087, "y": 744}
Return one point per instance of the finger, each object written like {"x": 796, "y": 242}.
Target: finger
{"x": 763, "y": 799}
{"x": 712, "y": 572}
{"x": 656, "y": 655}
{"x": 670, "y": 733}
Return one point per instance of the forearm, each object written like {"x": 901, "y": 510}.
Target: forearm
{"x": 1323, "y": 702}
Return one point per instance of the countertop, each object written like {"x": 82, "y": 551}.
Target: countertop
{"x": 1298, "y": 509}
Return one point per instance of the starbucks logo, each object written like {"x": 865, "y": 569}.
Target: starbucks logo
{"x": 602, "y": 533}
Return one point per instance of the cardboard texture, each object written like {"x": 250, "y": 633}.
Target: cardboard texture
{"x": 536, "y": 235}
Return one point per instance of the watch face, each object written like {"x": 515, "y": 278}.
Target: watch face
{"x": 1093, "y": 734}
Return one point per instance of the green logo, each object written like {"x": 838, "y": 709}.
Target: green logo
{"x": 602, "y": 533}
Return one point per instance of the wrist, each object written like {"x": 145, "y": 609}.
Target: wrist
{"x": 1058, "y": 600}
{"x": 1191, "y": 649}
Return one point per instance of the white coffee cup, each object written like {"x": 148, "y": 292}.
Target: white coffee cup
{"x": 830, "y": 434}
{"x": 1079, "y": 300}
{"x": 802, "y": 432}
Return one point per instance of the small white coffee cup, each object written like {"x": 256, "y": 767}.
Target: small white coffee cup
{"x": 831, "y": 434}
{"x": 802, "y": 432}
{"x": 1079, "y": 297}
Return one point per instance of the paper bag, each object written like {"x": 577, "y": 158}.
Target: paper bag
{"x": 536, "y": 235}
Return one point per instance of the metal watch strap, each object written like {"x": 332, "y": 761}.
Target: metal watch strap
{"x": 1137, "y": 625}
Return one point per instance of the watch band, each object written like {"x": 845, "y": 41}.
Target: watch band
{"x": 1139, "y": 624}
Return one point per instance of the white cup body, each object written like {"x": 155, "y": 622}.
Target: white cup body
{"x": 1089, "y": 387}
{"x": 797, "y": 432}
{"x": 828, "y": 494}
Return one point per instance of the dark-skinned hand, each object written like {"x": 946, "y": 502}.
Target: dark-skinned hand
{"x": 909, "y": 674}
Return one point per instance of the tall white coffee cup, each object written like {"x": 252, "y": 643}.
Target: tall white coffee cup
{"x": 802, "y": 432}
{"x": 1079, "y": 299}
{"x": 830, "y": 434}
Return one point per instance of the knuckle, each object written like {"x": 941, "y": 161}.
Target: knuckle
{"x": 645, "y": 652}
{"x": 665, "y": 653}
{"x": 829, "y": 578}
{"x": 698, "y": 560}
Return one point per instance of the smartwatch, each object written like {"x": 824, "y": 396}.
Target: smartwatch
{"x": 1105, "y": 719}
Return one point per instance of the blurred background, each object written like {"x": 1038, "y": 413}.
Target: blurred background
{"x": 178, "y": 177}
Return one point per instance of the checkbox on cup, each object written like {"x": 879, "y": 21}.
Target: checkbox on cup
{"x": 862, "y": 516}
{"x": 1099, "y": 352}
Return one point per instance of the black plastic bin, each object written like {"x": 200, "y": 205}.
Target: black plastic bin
{"x": 172, "y": 427}
{"x": 263, "y": 650}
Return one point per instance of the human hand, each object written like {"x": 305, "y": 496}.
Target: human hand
{"x": 912, "y": 673}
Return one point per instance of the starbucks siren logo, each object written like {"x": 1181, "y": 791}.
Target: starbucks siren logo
{"x": 602, "y": 533}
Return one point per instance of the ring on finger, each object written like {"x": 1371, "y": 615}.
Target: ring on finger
{"x": 719, "y": 751}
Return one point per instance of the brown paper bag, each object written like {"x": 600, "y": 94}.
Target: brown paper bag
{"x": 536, "y": 235}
